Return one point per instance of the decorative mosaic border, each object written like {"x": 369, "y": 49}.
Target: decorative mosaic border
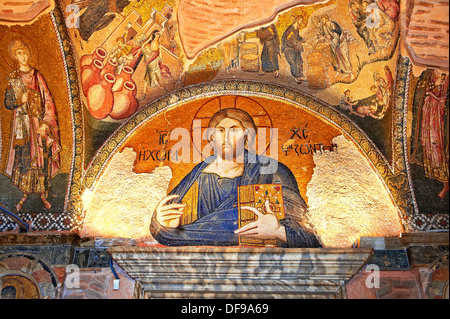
{"x": 73, "y": 192}
{"x": 394, "y": 177}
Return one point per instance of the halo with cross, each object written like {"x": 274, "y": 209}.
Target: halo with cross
{"x": 259, "y": 114}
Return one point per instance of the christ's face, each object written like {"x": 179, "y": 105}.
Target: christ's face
{"x": 229, "y": 139}
{"x": 22, "y": 57}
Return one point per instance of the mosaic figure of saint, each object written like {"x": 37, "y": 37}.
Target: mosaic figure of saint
{"x": 34, "y": 149}
{"x": 337, "y": 39}
{"x": 359, "y": 15}
{"x": 292, "y": 47}
{"x": 268, "y": 37}
{"x": 156, "y": 71}
{"x": 430, "y": 129}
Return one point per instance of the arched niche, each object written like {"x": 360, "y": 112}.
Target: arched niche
{"x": 346, "y": 182}
{"x": 26, "y": 276}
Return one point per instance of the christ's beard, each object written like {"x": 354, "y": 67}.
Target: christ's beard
{"x": 231, "y": 153}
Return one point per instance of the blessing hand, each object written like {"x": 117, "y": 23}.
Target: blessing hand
{"x": 265, "y": 227}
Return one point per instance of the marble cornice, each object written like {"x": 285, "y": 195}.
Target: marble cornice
{"x": 231, "y": 272}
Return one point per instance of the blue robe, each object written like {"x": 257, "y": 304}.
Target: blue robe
{"x": 217, "y": 217}
{"x": 268, "y": 37}
{"x": 291, "y": 45}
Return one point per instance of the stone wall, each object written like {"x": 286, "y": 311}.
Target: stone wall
{"x": 97, "y": 283}
{"x": 65, "y": 266}
{"x": 412, "y": 267}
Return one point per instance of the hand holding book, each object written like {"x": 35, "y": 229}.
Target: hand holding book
{"x": 260, "y": 209}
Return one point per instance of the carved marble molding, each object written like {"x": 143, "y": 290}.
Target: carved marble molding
{"x": 233, "y": 272}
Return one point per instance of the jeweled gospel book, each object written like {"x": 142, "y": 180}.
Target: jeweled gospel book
{"x": 255, "y": 196}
